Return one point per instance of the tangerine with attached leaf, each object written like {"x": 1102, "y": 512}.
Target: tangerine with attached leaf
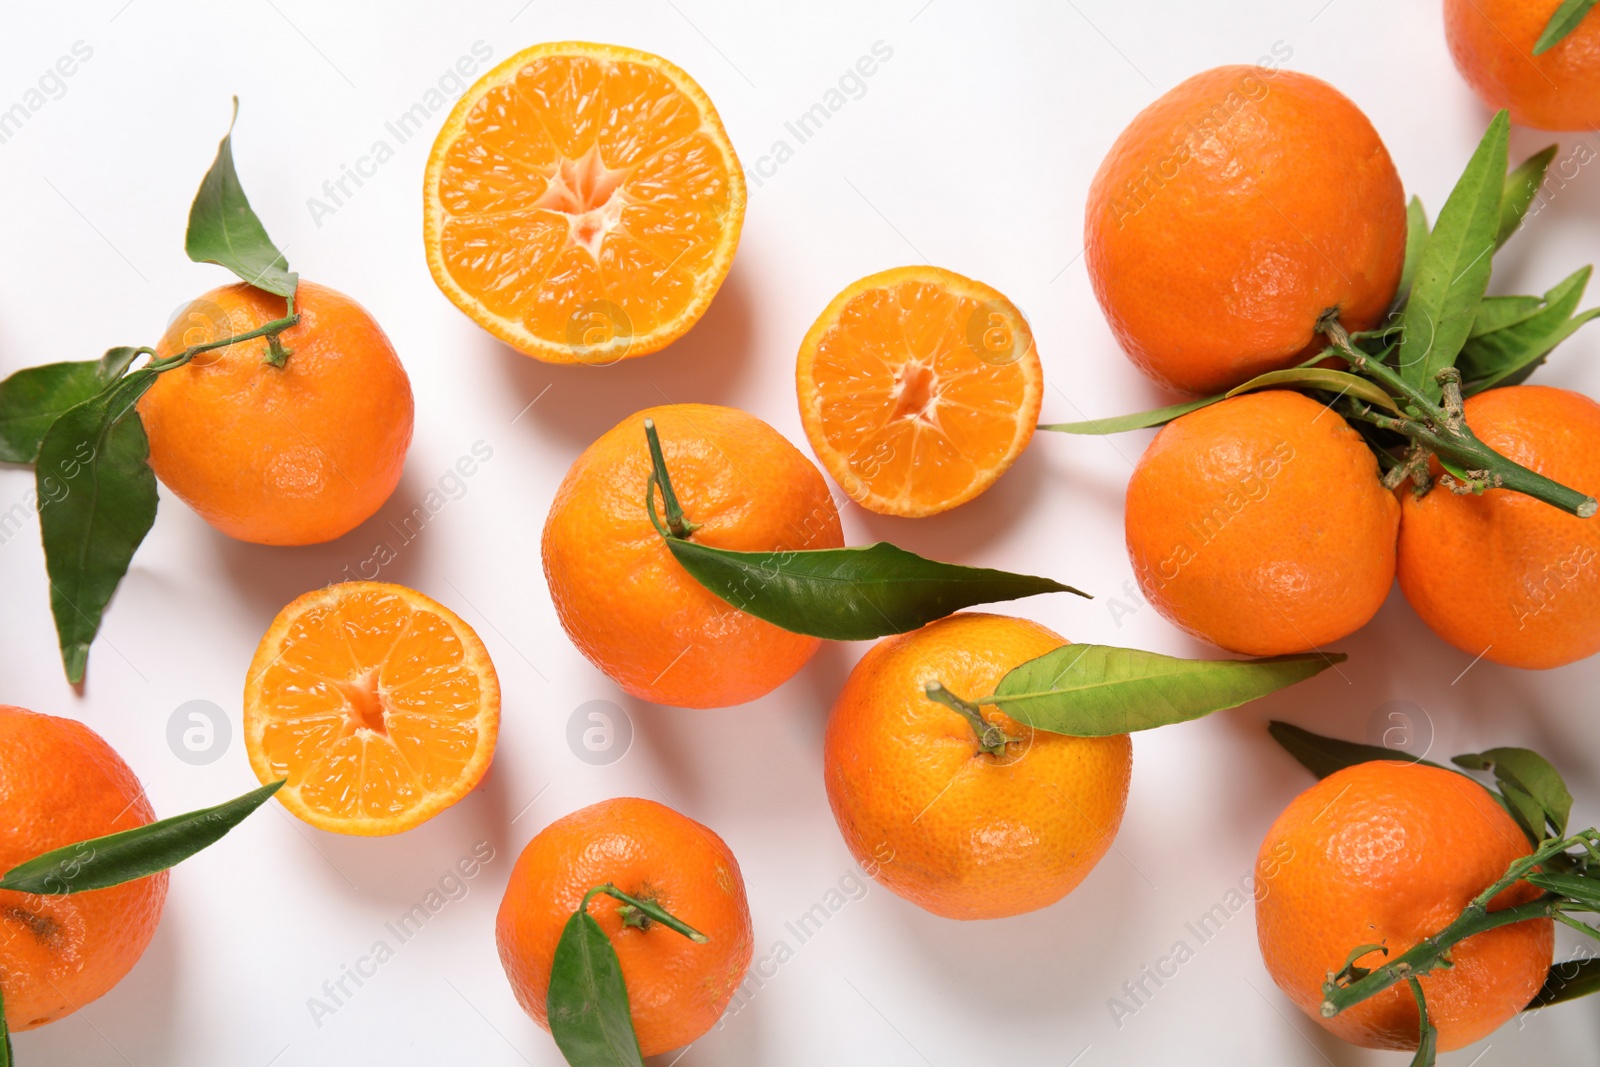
{"x": 627, "y": 603}
{"x": 934, "y": 816}
{"x": 295, "y": 454}
{"x": 677, "y": 988}
{"x": 60, "y": 783}
{"x": 1492, "y": 43}
{"x": 1505, "y": 576}
{"x": 1390, "y": 853}
{"x": 1260, "y": 524}
{"x": 1231, "y": 214}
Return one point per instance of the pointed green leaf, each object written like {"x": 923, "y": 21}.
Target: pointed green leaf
{"x": 34, "y": 397}
{"x": 1563, "y": 22}
{"x": 1428, "y": 1034}
{"x": 1453, "y": 270}
{"x": 1508, "y": 355}
{"x": 1578, "y": 887}
{"x": 1096, "y": 690}
{"x": 1141, "y": 421}
{"x": 1416, "y": 240}
{"x": 224, "y": 229}
{"x": 5, "y": 1034}
{"x": 1568, "y": 980}
{"x": 1323, "y": 756}
{"x": 1529, "y": 774}
{"x": 1324, "y": 378}
{"x": 849, "y": 594}
{"x": 1499, "y": 312}
{"x": 1521, "y": 186}
{"x": 98, "y": 500}
{"x": 587, "y": 1004}
{"x": 106, "y": 861}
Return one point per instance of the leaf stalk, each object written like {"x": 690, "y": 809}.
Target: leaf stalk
{"x": 1440, "y": 429}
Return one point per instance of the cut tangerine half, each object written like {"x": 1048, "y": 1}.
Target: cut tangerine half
{"x": 918, "y": 388}
{"x": 582, "y": 202}
{"x": 379, "y": 706}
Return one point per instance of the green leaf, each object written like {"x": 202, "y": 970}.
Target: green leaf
{"x": 1416, "y": 240}
{"x": 1521, "y": 186}
{"x": 34, "y": 397}
{"x": 1568, "y": 981}
{"x": 1141, "y": 421}
{"x": 98, "y": 499}
{"x": 849, "y": 594}
{"x": 1453, "y": 270}
{"x": 5, "y": 1034}
{"x": 106, "y": 861}
{"x": 1577, "y": 887}
{"x": 587, "y": 1004}
{"x": 223, "y": 229}
{"x": 1499, "y": 312}
{"x": 1508, "y": 355}
{"x": 1323, "y": 756}
{"x": 1563, "y": 22}
{"x": 1097, "y": 691}
{"x": 1525, "y": 810}
{"x": 1534, "y": 777}
{"x": 1427, "y": 1032}
{"x": 1323, "y": 378}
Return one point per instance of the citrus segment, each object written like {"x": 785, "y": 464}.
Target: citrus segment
{"x": 378, "y": 704}
{"x": 918, "y": 388}
{"x": 583, "y": 202}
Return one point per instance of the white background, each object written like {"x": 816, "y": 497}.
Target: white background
{"x": 972, "y": 148}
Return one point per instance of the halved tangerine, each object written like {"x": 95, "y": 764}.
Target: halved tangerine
{"x": 582, "y": 202}
{"x": 918, "y": 388}
{"x": 377, "y": 703}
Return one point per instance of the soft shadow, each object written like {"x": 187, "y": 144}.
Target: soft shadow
{"x": 703, "y": 366}
{"x": 398, "y": 871}
{"x": 387, "y": 547}
{"x": 132, "y": 1023}
{"x": 958, "y": 533}
{"x": 822, "y": 680}
{"x": 1018, "y": 961}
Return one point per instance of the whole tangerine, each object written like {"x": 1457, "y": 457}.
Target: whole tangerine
{"x": 1503, "y": 575}
{"x": 1390, "y": 853}
{"x": 1260, "y": 524}
{"x": 60, "y": 784}
{"x": 1231, "y": 214}
{"x": 677, "y": 989}
{"x": 630, "y": 607}
{"x": 295, "y": 454}
{"x": 940, "y": 821}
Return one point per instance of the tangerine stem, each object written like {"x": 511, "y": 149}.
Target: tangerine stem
{"x": 1442, "y": 430}
{"x": 271, "y": 329}
{"x": 991, "y": 738}
{"x": 676, "y": 523}
{"x": 1353, "y": 985}
{"x": 644, "y": 912}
